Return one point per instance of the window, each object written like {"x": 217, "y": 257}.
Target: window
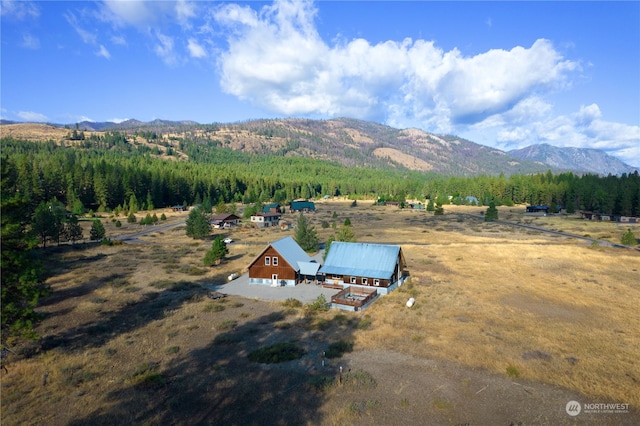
{"x": 353, "y": 280}
{"x": 267, "y": 261}
{"x": 275, "y": 261}
{"x": 364, "y": 281}
{"x": 376, "y": 282}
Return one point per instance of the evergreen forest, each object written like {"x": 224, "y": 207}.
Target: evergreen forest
{"x": 107, "y": 172}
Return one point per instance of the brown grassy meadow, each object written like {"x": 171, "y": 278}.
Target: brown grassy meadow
{"x": 129, "y": 335}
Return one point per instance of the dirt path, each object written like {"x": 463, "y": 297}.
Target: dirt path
{"x": 411, "y": 390}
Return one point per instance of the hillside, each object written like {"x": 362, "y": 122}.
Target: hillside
{"x": 574, "y": 159}
{"x": 352, "y": 143}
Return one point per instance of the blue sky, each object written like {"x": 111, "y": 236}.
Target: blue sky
{"x": 503, "y": 74}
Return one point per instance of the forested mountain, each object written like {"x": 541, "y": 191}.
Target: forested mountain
{"x": 574, "y": 159}
{"x": 161, "y": 165}
{"x": 352, "y": 143}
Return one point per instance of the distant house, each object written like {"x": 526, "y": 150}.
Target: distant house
{"x": 265, "y": 220}
{"x": 272, "y": 208}
{"x": 303, "y": 206}
{"x": 627, "y": 219}
{"x": 379, "y": 266}
{"x": 282, "y": 263}
{"x": 538, "y": 209}
{"x": 471, "y": 200}
{"x": 224, "y": 220}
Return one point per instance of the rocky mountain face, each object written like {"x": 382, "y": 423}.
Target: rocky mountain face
{"x": 582, "y": 160}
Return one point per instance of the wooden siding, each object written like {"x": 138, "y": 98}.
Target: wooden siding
{"x": 258, "y": 269}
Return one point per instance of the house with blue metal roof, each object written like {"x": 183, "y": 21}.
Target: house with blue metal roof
{"x": 379, "y": 266}
{"x": 282, "y": 263}
{"x": 303, "y": 206}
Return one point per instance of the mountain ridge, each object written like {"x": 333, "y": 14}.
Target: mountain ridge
{"x": 586, "y": 160}
{"x": 359, "y": 143}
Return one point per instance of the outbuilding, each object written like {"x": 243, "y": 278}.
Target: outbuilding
{"x": 379, "y": 266}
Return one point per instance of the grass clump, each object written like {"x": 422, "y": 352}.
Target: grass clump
{"x": 512, "y": 371}
{"x": 292, "y": 303}
{"x": 280, "y": 352}
{"x": 213, "y": 307}
{"x": 147, "y": 376}
{"x": 339, "y": 348}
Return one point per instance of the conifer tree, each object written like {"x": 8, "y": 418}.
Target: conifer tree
{"x": 97, "y": 231}
{"x": 628, "y": 239}
{"x": 491, "y": 213}
{"x": 218, "y": 251}
{"x": 305, "y": 234}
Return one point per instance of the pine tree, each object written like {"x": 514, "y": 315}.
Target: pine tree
{"x": 628, "y": 239}
{"x": 305, "y": 234}
{"x": 97, "y": 231}
{"x": 21, "y": 285}
{"x": 491, "y": 213}
{"x": 72, "y": 230}
{"x": 198, "y": 226}
{"x": 218, "y": 251}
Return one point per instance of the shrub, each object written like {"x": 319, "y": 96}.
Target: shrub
{"x": 280, "y": 352}
{"x": 339, "y": 348}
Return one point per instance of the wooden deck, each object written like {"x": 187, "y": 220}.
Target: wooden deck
{"x": 354, "y": 296}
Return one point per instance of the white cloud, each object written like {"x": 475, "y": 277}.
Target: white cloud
{"x": 32, "y": 116}
{"x": 19, "y": 10}
{"x": 119, "y": 40}
{"x": 30, "y": 42}
{"x": 195, "y": 49}
{"x": 164, "y": 49}
{"x": 86, "y": 36}
{"x": 102, "y": 51}
{"x": 185, "y": 11}
{"x": 140, "y": 14}
{"x": 117, "y": 120}
{"x": 277, "y": 60}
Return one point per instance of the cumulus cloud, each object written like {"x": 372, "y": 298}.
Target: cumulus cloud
{"x": 584, "y": 128}
{"x": 32, "y": 116}
{"x": 277, "y": 60}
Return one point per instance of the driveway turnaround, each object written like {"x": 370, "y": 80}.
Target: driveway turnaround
{"x": 303, "y": 292}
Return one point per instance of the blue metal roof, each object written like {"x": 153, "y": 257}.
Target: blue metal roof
{"x": 361, "y": 260}
{"x": 308, "y": 268}
{"x": 291, "y": 252}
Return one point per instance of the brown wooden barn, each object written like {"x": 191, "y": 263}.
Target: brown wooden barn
{"x": 280, "y": 264}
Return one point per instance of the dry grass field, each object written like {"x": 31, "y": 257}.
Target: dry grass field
{"x": 509, "y": 325}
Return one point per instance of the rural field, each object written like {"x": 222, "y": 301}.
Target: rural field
{"x": 510, "y": 324}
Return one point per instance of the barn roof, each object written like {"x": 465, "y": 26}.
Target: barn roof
{"x": 291, "y": 252}
{"x": 361, "y": 260}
